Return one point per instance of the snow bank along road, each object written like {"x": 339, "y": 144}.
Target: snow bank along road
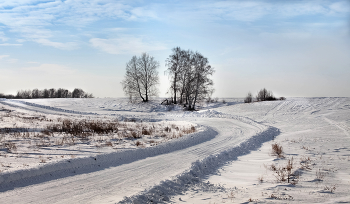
{"x": 227, "y": 137}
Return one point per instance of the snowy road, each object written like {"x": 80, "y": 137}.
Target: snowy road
{"x": 112, "y": 184}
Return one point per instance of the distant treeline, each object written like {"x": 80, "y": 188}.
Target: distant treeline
{"x": 48, "y": 93}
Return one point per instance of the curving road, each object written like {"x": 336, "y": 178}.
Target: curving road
{"x": 114, "y": 183}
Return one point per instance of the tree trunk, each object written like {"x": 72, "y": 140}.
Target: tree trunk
{"x": 175, "y": 77}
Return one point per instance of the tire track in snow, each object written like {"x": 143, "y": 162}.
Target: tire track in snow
{"x": 37, "y": 107}
{"x": 333, "y": 123}
{"x": 199, "y": 170}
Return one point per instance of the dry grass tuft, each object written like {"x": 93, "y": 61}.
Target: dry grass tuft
{"x": 285, "y": 173}
{"x": 277, "y": 150}
{"x": 305, "y": 163}
{"x": 135, "y": 135}
{"x": 138, "y": 143}
{"x": 10, "y": 146}
{"x": 320, "y": 175}
{"x": 42, "y": 159}
{"x": 167, "y": 129}
{"x": 281, "y": 197}
{"x": 330, "y": 189}
{"x": 146, "y": 132}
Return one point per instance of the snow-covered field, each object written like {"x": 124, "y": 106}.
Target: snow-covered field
{"x": 227, "y": 159}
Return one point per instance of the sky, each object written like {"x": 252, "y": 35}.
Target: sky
{"x": 293, "y": 48}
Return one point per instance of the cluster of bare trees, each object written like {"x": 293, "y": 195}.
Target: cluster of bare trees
{"x": 189, "y": 74}
{"x": 262, "y": 95}
{"x": 141, "y": 78}
{"x": 49, "y": 93}
{"x": 188, "y": 71}
{"x": 265, "y": 95}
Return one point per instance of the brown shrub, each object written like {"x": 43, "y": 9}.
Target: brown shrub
{"x": 277, "y": 150}
{"x": 167, "y": 129}
{"x": 146, "y": 132}
{"x": 135, "y": 135}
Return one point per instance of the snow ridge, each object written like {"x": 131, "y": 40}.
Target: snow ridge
{"x": 50, "y": 108}
{"x": 218, "y": 114}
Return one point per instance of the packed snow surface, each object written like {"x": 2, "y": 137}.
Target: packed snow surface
{"x": 226, "y": 160}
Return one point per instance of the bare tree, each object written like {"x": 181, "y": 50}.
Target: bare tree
{"x": 69, "y": 94}
{"x": 46, "y": 93}
{"x": 60, "y": 93}
{"x": 35, "y": 93}
{"x": 78, "y": 93}
{"x": 65, "y": 94}
{"x": 131, "y": 84}
{"x": 175, "y": 63}
{"x": 248, "y": 98}
{"x": 141, "y": 77}
{"x": 193, "y": 81}
{"x": 265, "y": 95}
{"x": 189, "y": 75}
{"x": 52, "y": 93}
{"x": 200, "y": 83}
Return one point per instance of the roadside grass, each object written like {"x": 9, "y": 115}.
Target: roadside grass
{"x": 38, "y": 133}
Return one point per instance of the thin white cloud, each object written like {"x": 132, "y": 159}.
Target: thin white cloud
{"x": 14, "y": 3}
{"x": 49, "y": 69}
{"x": 255, "y": 10}
{"x": 8, "y": 59}
{"x": 3, "y": 37}
{"x": 59, "y": 45}
{"x": 10, "y": 44}
{"x": 340, "y": 7}
{"x": 237, "y": 10}
{"x": 32, "y": 32}
{"x": 252, "y": 10}
{"x": 12, "y": 60}
{"x": 118, "y": 29}
{"x": 75, "y": 13}
{"x": 141, "y": 13}
{"x": 125, "y": 45}
{"x": 4, "y": 56}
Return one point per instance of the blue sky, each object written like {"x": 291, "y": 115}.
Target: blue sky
{"x": 294, "y": 48}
